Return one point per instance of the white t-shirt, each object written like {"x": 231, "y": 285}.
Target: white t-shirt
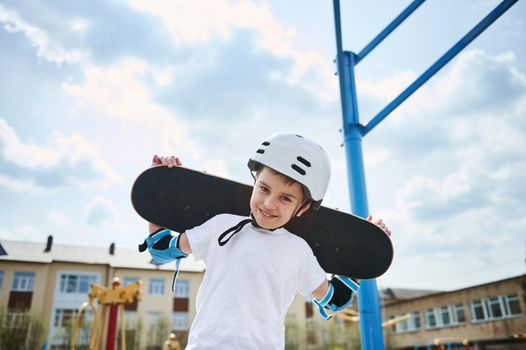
{"x": 248, "y": 285}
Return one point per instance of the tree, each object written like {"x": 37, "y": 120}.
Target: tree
{"x": 21, "y": 330}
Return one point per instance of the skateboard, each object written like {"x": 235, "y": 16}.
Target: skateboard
{"x": 180, "y": 198}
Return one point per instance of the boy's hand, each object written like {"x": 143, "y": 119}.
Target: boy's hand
{"x": 380, "y": 224}
{"x": 166, "y": 161}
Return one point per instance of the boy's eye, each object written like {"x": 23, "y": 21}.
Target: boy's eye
{"x": 263, "y": 188}
{"x": 286, "y": 199}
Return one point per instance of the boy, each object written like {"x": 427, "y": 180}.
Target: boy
{"x": 255, "y": 267}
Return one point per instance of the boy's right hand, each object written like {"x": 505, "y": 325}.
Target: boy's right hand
{"x": 166, "y": 161}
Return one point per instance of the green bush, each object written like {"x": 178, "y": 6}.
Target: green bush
{"x": 21, "y": 331}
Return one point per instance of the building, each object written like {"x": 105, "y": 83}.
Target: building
{"x": 53, "y": 280}
{"x": 486, "y": 316}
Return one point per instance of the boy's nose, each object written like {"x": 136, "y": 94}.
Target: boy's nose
{"x": 270, "y": 202}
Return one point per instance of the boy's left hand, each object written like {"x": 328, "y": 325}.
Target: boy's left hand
{"x": 380, "y": 224}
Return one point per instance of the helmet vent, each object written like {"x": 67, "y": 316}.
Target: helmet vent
{"x": 260, "y": 151}
{"x": 304, "y": 161}
{"x": 266, "y": 143}
{"x": 298, "y": 169}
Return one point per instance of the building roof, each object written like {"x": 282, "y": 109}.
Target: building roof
{"x": 19, "y": 251}
{"x": 405, "y": 294}
{"x": 392, "y": 296}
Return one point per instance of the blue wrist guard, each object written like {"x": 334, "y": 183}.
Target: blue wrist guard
{"x": 339, "y": 296}
{"x": 163, "y": 246}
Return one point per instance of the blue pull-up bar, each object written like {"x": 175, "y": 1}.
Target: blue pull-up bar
{"x": 390, "y": 28}
{"x": 441, "y": 62}
{"x": 368, "y": 302}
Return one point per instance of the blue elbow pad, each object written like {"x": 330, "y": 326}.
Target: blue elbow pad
{"x": 163, "y": 246}
{"x": 339, "y": 296}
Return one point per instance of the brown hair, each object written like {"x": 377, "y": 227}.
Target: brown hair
{"x": 287, "y": 180}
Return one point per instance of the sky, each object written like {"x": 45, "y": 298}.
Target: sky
{"x": 91, "y": 90}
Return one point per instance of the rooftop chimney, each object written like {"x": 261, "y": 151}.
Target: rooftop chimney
{"x": 2, "y": 250}
{"x": 112, "y": 248}
{"x": 48, "y": 244}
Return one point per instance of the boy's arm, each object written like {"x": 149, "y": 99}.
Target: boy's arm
{"x": 338, "y": 293}
{"x": 335, "y": 294}
{"x": 184, "y": 245}
{"x": 320, "y": 292}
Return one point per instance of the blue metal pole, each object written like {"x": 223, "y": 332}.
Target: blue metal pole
{"x": 368, "y": 301}
{"x": 441, "y": 62}
{"x": 388, "y": 30}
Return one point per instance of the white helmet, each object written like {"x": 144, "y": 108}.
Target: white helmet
{"x": 298, "y": 158}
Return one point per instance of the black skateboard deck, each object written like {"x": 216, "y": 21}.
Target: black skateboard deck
{"x": 179, "y": 198}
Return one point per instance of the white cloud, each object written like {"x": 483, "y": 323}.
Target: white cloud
{"x": 6, "y": 234}
{"x": 59, "y": 218}
{"x": 120, "y": 92}
{"x": 67, "y": 159}
{"x": 474, "y": 83}
{"x": 80, "y": 25}
{"x": 47, "y": 49}
{"x": 22, "y": 233}
{"x": 461, "y": 197}
{"x": 386, "y": 89}
{"x": 100, "y": 211}
{"x": 191, "y": 22}
{"x": 194, "y": 22}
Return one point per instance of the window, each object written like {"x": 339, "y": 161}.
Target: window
{"x": 180, "y": 321}
{"x": 1, "y": 278}
{"x": 129, "y": 280}
{"x": 156, "y": 286}
{"x": 85, "y": 283}
{"x": 445, "y": 318}
{"x": 15, "y": 320}
{"x": 312, "y": 332}
{"x": 75, "y": 283}
{"x": 402, "y": 326}
{"x": 513, "y": 306}
{"x": 292, "y": 335}
{"x": 409, "y": 325}
{"x": 182, "y": 289}
{"x": 458, "y": 313}
{"x": 132, "y": 319}
{"x": 415, "y": 321}
{"x": 181, "y": 302}
{"x": 65, "y": 318}
{"x": 478, "y": 312}
{"x": 153, "y": 318}
{"x": 23, "y": 281}
{"x": 495, "y": 308}
{"x": 309, "y": 310}
{"x": 430, "y": 318}
{"x": 392, "y": 327}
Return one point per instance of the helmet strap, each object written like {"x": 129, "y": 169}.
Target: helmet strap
{"x": 255, "y": 224}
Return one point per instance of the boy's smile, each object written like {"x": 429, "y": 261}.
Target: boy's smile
{"x": 273, "y": 202}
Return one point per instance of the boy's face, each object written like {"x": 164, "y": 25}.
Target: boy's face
{"x": 273, "y": 202}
